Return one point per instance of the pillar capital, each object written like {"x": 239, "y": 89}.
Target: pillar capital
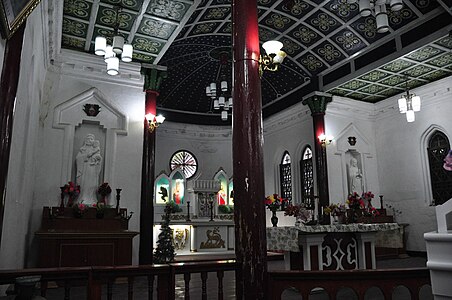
{"x": 317, "y": 102}
{"x": 153, "y": 76}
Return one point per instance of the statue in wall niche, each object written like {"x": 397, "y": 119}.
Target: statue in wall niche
{"x": 355, "y": 177}
{"x": 88, "y": 164}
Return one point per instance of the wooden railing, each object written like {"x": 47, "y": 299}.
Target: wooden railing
{"x": 359, "y": 281}
{"x": 94, "y": 278}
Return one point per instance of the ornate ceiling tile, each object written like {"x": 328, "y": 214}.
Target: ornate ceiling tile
{"x": 266, "y": 3}
{"x": 445, "y": 42}
{"x": 78, "y": 9}
{"x": 435, "y": 75}
{"x": 393, "y": 80}
{"x": 226, "y": 28}
{"x": 353, "y": 84}
{"x": 129, "y": 4}
{"x": 372, "y": 89}
{"x": 329, "y": 53}
{"x": 348, "y": 41}
{"x": 290, "y": 47}
{"x": 357, "y": 96}
{"x": 76, "y": 28}
{"x": 338, "y": 92}
{"x": 72, "y": 43}
{"x": 312, "y": 63}
{"x": 305, "y": 35}
{"x": 367, "y": 28}
{"x": 266, "y": 34}
{"x": 373, "y": 98}
{"x": 204, "y": 28}
{"x": 143, "y": 57}
{"x": 374, "y": 76}
{"x": 400, "y": 18}
{"x": 391, "y": 92}
{"x": 412, "y": 84}
{"x": 156, "y": 28}
{"x": 106, "y": 16}
{"x": 147, "y": 45}
{"x": 216, "y": 13}
{"x": 277, "y": 22}
{"x": 323, "y": 22}
{"x": 397, "y": 65}
{"x": 168, "y": 9}
{"x": 298, "y": 8}
{"x": 194, "y": 16}
{"x": 425, "y": 6}
{"x": 441, "y": 61}
{"x": 342, "y": 9}
{"x": 417, "y": 71}
{"x": 424, "y": 53}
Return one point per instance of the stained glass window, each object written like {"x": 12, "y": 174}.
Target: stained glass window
{"x": 307, "y": 175}
{"x": 186, "y": 161}
{"x": 286, "y": 177}
{"x": 438, "y": 147}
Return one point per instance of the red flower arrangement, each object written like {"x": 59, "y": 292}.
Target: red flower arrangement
{"x": 355, "y": 202}
{"x": 298, "y": 211}
{"x": 274, "y": 202}
{"x": 70, "y": 189}
{"x": 104, "y": 189}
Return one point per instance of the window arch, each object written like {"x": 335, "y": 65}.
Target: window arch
{"x": 285, "y": 175}
{"x": 441, "y": 180}
{"x": 307, "y": 175}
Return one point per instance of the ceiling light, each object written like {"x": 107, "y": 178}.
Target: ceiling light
{"x": 154, "y": 121}
{"x": 409, "y": 103}
{"x": 378, "y": 8}
{"x": 118, "y": 47}
{"x": 218, "y": 91}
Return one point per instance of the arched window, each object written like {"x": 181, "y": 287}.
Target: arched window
{"x": 438, "y": 147}
{"x": 285, "y": 175}
{"x": 307, "y": 175}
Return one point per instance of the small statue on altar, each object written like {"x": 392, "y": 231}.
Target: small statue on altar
{"x": 88, "y": 164}
{"x": 355, "y": 177}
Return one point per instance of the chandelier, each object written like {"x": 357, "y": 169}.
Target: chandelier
{"x": 378, "y": 8}
{"x": 409, "y": 103}
{"x": 111, "y": 52}
{"x": 272, "y": 58}
{"x": 219, "y": 92}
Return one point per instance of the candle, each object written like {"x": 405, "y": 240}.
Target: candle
{"x": 316, "y": 209}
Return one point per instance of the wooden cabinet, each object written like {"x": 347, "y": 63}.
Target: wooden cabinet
{"x": 69, "y": 242}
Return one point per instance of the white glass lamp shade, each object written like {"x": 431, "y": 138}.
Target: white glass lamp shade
{"x": 109, "y": 53}
{"x": 100, "y": 45}
{"x": 213, "y": 88}
{"x": 402, "y": 105}
{"x": 322, "y": 138}
{"x": 416, "y": 103}
{"x": 226, "y": 105}
{"x": 272, "y": 47}
{"x": 208, "y": 93}
{"x": 364, "y": 8}
{"x": 230, "y": 102}
{"x": 278, "y": 59}
{"x": 118, "y": 44}
{"x": 216, "y": 105}
{"x": 224, "y": 86}
{"x": 380, "y": 2}
{"x": 113, "y": 66}
{"x": 159, "y": 119}
{"x": 150, "y": 117}
{"x": 221, "y": 101}
{"x": 224, "y": 115}
{"x": 410, "y": 116}
{"x": 127, "y": 53}
{"x": 396, "y": 5}
{"x": 381, "y": 18}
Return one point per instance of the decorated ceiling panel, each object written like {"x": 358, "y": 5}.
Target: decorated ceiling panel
{"x": 320, "y": 37}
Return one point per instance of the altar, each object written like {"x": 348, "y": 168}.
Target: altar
{"x": 328, "y": 247}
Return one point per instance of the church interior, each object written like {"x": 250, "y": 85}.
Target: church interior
{"x": 123, "y": 107}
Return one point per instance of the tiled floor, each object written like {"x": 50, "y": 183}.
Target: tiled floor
{"x": 140, "y": 287}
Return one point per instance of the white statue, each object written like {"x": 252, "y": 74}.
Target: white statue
{"x": 355, "y": 177}
{"x": 88, "y": 164}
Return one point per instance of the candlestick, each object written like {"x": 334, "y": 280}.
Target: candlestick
{"x": 188, "y": 212}
{"x": 381, "y": 201}
{"x": 118, "y": 197}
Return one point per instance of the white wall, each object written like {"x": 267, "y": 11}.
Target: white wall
{"x": 21, "y": 184}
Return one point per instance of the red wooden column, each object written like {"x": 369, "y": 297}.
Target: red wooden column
{"x": 152, "y": 80}
{"x": 248, "y": 163}
{"x": 9, "y": 81}
{"x": 317, "y": 104}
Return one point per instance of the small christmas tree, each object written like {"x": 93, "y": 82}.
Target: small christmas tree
{"x": 164, "y": 253}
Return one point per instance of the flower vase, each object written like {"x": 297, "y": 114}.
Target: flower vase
{"x": 274, "y": 219}
{"x": 341, "y": 219}
{"x": 70, "y": 201}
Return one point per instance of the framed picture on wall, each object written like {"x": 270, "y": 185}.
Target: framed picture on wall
{"x": 13, "y": 13}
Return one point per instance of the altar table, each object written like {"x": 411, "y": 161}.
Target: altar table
{"x": 328, "y": 247}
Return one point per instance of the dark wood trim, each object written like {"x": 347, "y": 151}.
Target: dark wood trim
{"x": 8, "y": 89}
